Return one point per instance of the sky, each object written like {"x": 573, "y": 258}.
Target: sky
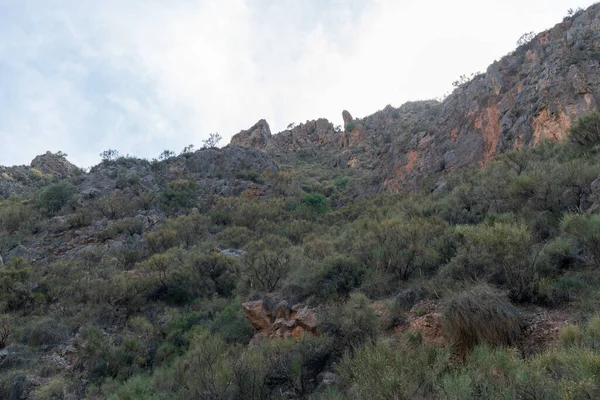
{"x": 143, "y": 76}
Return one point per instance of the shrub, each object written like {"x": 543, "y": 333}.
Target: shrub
{"x": 585, "y": 230}
{"x": 15, "y": 385}
{"x": 54, "y": 390}
{"x": 381, "y": 371}
{"x": 342, "y": 183}
{"x": 499, "y": 253}
{"x": 14, "y": 286}
{"x": 339, "y": 277}
{"x": 161, "y": 239}
{"x": 480, "y": 316}
{"x": 232, "y": 325}
{"x": 586, "y": 131}
{"x": 235, "y": 236}
{"x": 44, "y": 332}
{"x": 266, "y": 262}
{"x": 54, "y": 197}
{"x": 5, "y": 329}
{"x": 402, "y": 246}
{"x": 350, "y": 325}
{"x": 315, "y": 202}
{"x": 209, "y": 274}
{"x": 13, "y": 217}
{"x": 180, "y": 195}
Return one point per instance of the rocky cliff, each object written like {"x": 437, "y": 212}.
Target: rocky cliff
{"x": 532, "y": 94}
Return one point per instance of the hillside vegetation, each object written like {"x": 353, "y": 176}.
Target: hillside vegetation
{"x": 160, "y": 316}
{"x": 439, "y": 250}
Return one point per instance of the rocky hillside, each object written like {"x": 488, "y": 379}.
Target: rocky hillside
{"x": 307, "y": 264}
{"x": 532, "y": 94}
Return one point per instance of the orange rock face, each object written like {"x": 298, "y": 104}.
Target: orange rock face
{"x": 548, "y": 126}
{"x": 281, "y": 320}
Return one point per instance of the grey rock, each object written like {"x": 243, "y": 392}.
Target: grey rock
{"x": 233, "y": 253}
{"x": 22, "y": 251}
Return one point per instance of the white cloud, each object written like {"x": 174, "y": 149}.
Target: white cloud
{"x": 144, "y": 76}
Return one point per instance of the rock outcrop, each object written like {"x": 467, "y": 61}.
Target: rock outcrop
{"x": 22, "y": 179}
{"x": 533, "y": 94}
{"x": 271, "y": 319}
{"x": 257, "y": 137}
{"x": 54, "y": 164}
{"x": 347, "y": 117}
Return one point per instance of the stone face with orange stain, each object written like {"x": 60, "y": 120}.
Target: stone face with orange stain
{"x": 281, "y": 320}
{"x": 488, "y": 122}
{"x": 548, "y": 126}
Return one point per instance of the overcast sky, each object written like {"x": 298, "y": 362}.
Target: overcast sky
{"x": 142, "y": 76}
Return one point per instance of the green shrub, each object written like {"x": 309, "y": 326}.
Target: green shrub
{"x": 54, "y": 390}
{"x": 585, "y": 230}
{"x": 380, "y": 371}
{"x": 339, "y": 277}
{"x": 586, "y": 131}
{"x": 44, "y": 332}
{"x": 501, "y": 253}
{"x": 13, "y": 217}
{"x": 54, "y": 197}
{"x": 235, "y": 236}
{"x": 480, "y": 316}
{"x": 15, "y": 385}
{"x": 180, "y": 195}
{"x": 315, "y": 202}
{"x": 6, "y": 329}
{"x": 161, "y": 239}
{"x": 232, "y": 325}
{"x": 402, "y": 245}
{"x": 14, "y": 286}
{"x": 266, "y": 263}
{"x": 350, "y": 325}
{"x": 342, "y": 183}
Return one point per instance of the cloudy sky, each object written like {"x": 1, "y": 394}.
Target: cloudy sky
{"x": 142, "y": 76}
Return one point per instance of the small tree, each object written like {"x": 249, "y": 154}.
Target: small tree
{"x": 525, "y": 38}
{"x": 55, "y": 197}
{"x": 109, "y": 155}
{"x": 464, "y": 79}
{"x": 166, "y": 154}
{"x": 267, "y": 262}
{"x": 187, "y": 150}
{"x": 212, "y": 141}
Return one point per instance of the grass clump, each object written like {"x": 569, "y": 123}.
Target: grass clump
{"x": 480, "y": 316}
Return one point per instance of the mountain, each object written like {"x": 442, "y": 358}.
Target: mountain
{"x": 532, "y": 94}
{"x": 436, "y": 250}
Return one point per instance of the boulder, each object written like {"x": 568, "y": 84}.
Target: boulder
{"x": 273, "y": 318}
{"x": 256, "y": 315}
{"x": 305, "y": 317}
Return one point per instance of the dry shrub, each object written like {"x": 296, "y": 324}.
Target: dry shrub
{"x": 480, "y": 316}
